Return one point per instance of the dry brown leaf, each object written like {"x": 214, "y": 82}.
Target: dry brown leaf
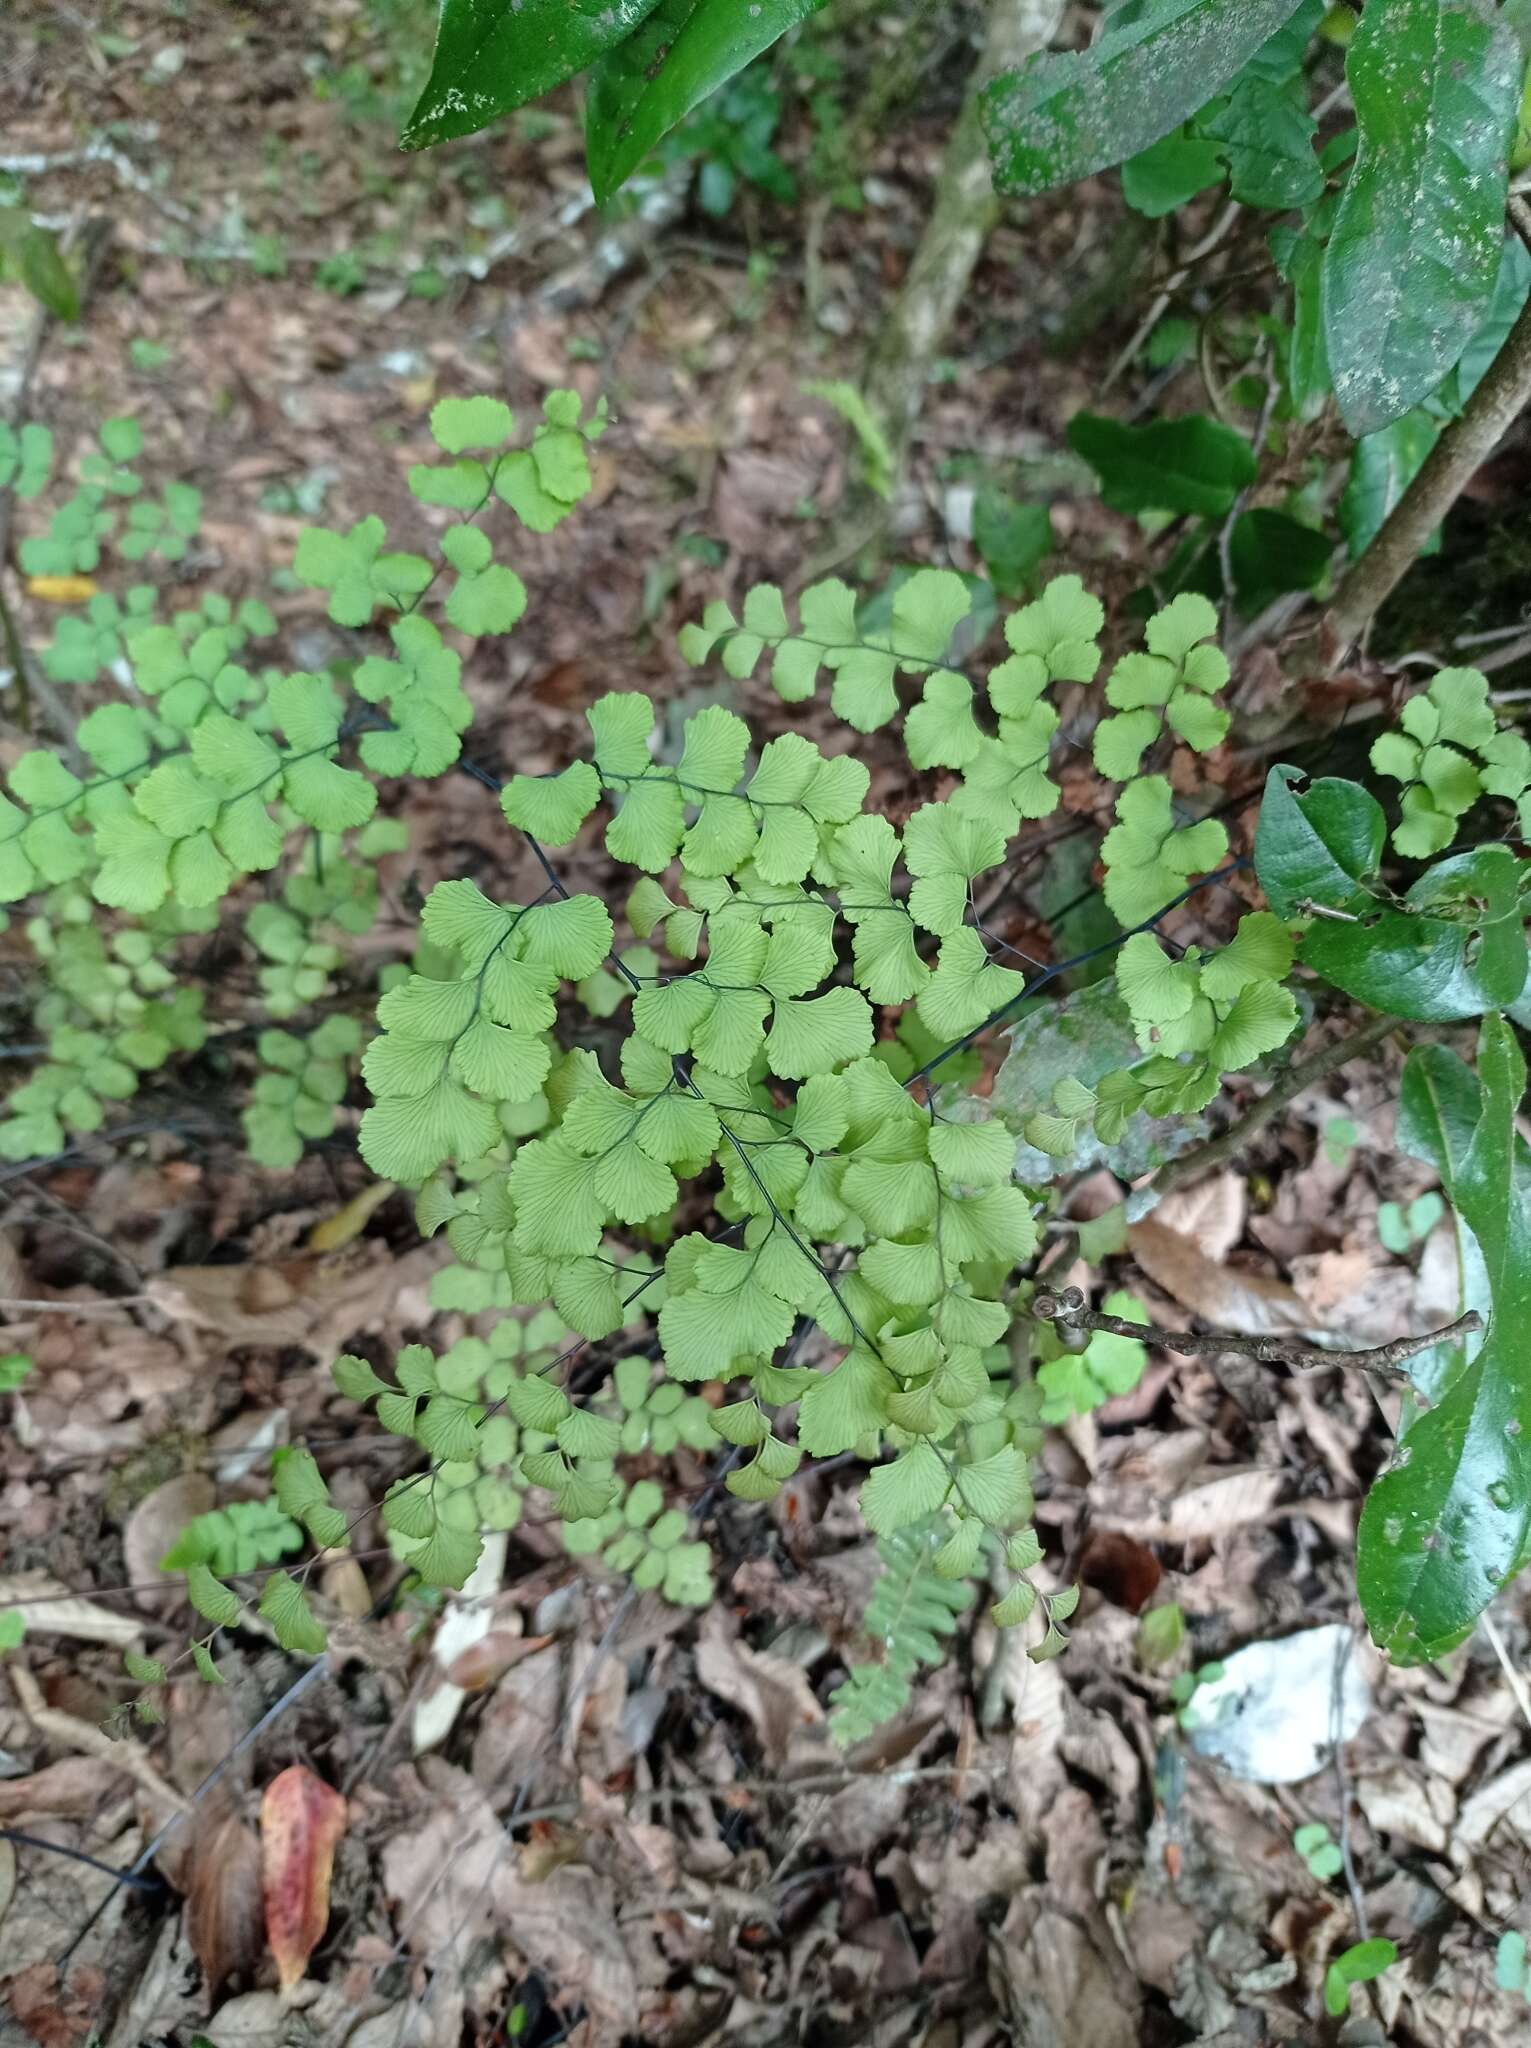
{"x": 7, "y": 1876}
{"x": 85, "y": 1739}
{"x": 315, "y": 1301}
{"x": 74, "y": 1786}
{"x": 155, "y": 1524}
{"x": 773, "y": 1695}
{"x": 1226, "y": 1500}
{"x": 52, "y": 2013}
{"x": 1209, "y": 1215}
{"x": 301, "y": 1820}
{"x": 1402, "y": 1800}
{"x": 223, "y": 1899}
{"x": 455, "y": 1876}
{"x": 1056, "y": 1949}
{"x": 1227, "y": 1297}
{"x": 1505, "y": 1800}
{"x": 482, "y": 1663}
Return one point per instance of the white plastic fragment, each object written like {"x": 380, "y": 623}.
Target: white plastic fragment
{"x": 1279, "y": 1707}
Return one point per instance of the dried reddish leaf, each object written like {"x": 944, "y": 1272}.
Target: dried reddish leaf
{"x": 301, "y": 1820}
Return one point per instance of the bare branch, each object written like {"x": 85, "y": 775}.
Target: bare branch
{"x": 1464, "y": 446}
{"x": 1190, "y": 1165}
{"x": 1069, "y": 1311}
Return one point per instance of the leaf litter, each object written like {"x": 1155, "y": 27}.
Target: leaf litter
{"x": 632, "y": 1824}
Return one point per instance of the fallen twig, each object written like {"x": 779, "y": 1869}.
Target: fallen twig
{"x": 1070, "y": 1311}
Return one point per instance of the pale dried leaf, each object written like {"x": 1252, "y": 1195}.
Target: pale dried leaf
{"x": 458, "y": 1874}
{"x": 1209, "y": 1215}
{"x": 475, "y": 1668}
{"x": 1226, "y": 1297}
{"x": 51, "y": 1609}
{"x": 1056, "y": 1984}
{"x": 67, "y": 1790}
{"x": 315, "y": 1301}
{"x": 155, "y": 1524}
{"x": 467, "y": 1618}
{"x": 1225, "y": 1500}
{"x": 69, "y": 1732}
{"x": 774, "y": 1695}
{"x": 1401, "y": 1800}
{"x": 1504, "y": 1802}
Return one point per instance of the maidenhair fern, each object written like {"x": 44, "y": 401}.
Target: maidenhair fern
{"x": 911, "y": 1616}
{"x": 777, "y": 1196}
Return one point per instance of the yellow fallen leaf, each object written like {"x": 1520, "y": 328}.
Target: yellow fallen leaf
{"x": 301, "y": 1820}
{"x": 62, "y": 589}
{"x": 348, "y": 1223}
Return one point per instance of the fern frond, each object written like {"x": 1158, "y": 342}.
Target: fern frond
{"x": 238, "y": 1538}
{"x": 911, "y": 1613}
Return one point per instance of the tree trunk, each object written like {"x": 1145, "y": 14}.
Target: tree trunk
{"x": 965, "y": 210}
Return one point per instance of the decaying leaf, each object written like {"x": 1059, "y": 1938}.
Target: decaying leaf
{"x": 301, "y": 1821}
{"x": 223, "y": 1900}
{"x": 772, "y": 1693}
{"x": 1228, "y": 1297}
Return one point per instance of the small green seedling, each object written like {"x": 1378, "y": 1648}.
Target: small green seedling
{"x": 1318, "y": 1850}
{"x": 1184, "y": 1688}
{"x": 1161, "y": 1634}
{"x": 1510, "y": 1971}
{"x": 14, "y": 1368}
{"x": 1361, "y": 1963}
{"x": 1340, "y": 1137}
{"x": 1401, "y": 1229}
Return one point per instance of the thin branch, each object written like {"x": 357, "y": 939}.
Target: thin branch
{"x": 1344, "y": 1650}
{"x": 1191, "y": 1165}
{"x": 1513, "y": 1678}
{"x": 1068, "y": 1311}
{"x": 1172, "y": 284}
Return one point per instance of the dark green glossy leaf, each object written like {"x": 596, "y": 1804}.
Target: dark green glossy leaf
{"x": 1458, "y": 949}
{"x": 1308, "y": 381}
{"x": 1268, "y": 133}
{"x": 1012, "y": 538}
{"x": 686, "y": 49}
{"x": 1317, "y": 847}
{"x": 1446, "y": 1524}
{"x": 1511, "y": 289}
{"x": 493, "y": 55}
{"x": 1154, "y": 64}
{"x": 1414, "y": 256}
{"x": 1170, "y": 171}
{"x": 1270, "y": 553}
{"x": 1192, "y": 464}
{"x": 1381, "y": 469}
{"x": 1438, "y": 1109}
{"x": 1280, "y": 56}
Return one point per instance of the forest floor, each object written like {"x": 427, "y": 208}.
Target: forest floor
{"x": 626, "y": 1824}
